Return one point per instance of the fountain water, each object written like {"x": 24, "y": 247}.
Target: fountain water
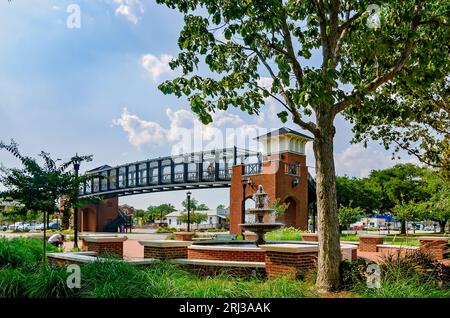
{"x": 261, "y": 209}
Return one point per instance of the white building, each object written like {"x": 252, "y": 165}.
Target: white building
{"x": 215, "y": 219}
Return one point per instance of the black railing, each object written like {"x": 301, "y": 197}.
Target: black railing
{"x": 252, "y": 168}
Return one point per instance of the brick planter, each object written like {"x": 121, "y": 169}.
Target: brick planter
{"x": 165, "y": 249}
{"x": 250, "y": 236}
{"x": 104, "y": 244}
{"x": 184, "y": 236}
{"x": 437, "y": 246}
{"x": 368, "y": 243}
{"x": 289, "y": 259}
{"x": 310, "y": 237}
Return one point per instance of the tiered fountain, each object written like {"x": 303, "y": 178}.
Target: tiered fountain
{"x": 261, "y": 209}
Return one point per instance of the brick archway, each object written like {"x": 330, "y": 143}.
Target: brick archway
{"x": 289, "y": 218}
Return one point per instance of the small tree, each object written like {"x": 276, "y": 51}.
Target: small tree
{"x": 279, "y": 207}
{"x": 348, "y": 215}
{"x": 195, "y": 205}
{"x": 407, "y": 212}
{"x": 40, "y": 187}
{"x": 194, "y": 217}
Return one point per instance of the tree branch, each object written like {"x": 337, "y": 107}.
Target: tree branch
{"x": 289, "y": 103}
{"x": 389, "y": 75}
{"x": 298, "y": 72}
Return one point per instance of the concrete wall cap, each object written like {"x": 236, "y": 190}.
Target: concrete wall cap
{"x": 225, "y": 248}
{"x": 349, "y": 246}
{"x": 371, "y": 236}
{"x": 165, "y": 243}
{"x": 407, "y": 247}
{"x": 309, "y": 234}
{"x": 204, "y": 262}
{"x": 72, "y": 257}
{"x": 289, "y": 248}
{"x": 103, "y": 239}
{"x": 433, "y": 238}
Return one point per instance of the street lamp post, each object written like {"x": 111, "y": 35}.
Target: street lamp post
{"x": 76, "y": 166}
{"x": 245, "y": 182}
{"x": 189, "y": 210}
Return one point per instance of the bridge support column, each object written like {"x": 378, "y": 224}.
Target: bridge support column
{"x": 94, "y": 217}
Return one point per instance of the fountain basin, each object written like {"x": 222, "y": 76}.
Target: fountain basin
{"x": 260, "y": 229}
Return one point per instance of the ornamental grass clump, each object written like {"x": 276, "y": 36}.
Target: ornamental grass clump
{"x": 410, "y": 275}
{"x": 112, "y": 278}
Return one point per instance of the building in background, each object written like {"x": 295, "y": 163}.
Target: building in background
{"x": 216, "y": 219}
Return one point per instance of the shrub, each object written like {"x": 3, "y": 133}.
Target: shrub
{"x": 415, "y": 274}
{"x": 418, "y": 263}
{"x": 285, "y": 234}
{"x": 166, "y": 230}
{"x": 352, "y": 272}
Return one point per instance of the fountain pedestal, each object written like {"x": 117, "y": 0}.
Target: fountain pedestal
{"x": 261, "y": 209}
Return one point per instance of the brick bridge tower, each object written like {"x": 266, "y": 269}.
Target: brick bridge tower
{"x": 283, "y": 174}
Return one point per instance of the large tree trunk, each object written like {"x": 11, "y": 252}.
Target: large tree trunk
{"x": 328, "y": 276}
{"x": 442, "y": 225}
{"x": 403, "y": 227}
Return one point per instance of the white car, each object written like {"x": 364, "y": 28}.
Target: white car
{"x": 36, "y": 226}
{"x": 24, "y": 227}
{"x": 15, "y": 226}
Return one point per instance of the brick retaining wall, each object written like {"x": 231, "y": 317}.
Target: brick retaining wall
{"x": 165, "y": 252}
{"x": 227, "y": 255}
{"x": 290, "y": 264}
{"x": 115, "y": 248}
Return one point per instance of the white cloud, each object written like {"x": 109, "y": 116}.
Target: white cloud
{"x": 156, "y": 66}
{"x": 265, "y": 82}
{"x": 131, "y": 9}
{"x": 140, "y": 131}
{"x": 186, "y": 133}
{"x": 358, "y": 161}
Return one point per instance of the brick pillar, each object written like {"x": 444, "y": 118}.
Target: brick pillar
{"x": 289, "y": 259}
{"x": 184, "y": 236}
{"x": 368, "y": 242}
{"x": 104, "y": 244}
{"x": 437, "y": 246}
{"x": 165, "y": 249}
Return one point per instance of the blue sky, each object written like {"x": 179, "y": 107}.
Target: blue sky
{"x": 93, "y": 90}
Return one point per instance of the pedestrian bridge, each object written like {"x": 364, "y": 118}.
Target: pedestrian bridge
{"x": 198, "y": 170}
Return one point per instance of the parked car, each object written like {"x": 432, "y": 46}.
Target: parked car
{"x": 15, "y": 226}
{"x": 24, "y": 227}
{"x": 53, "y": 226}
{"x": 36, "y": 226}
{"x": 4, "y": 227}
